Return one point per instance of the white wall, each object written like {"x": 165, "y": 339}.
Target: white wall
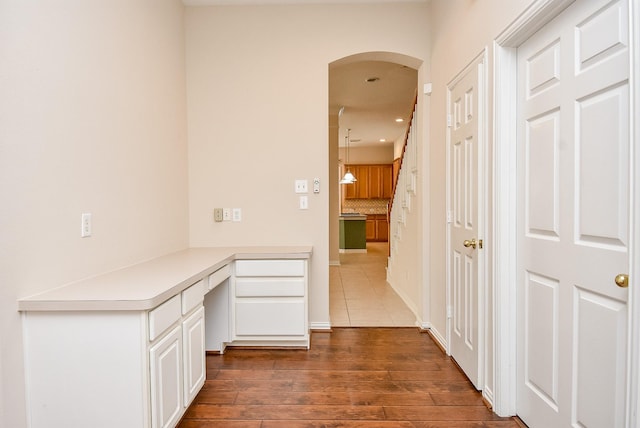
{"x": 368, "y": 155}
{"x": 92, "y": 119}
{"x": 258, "y": 116}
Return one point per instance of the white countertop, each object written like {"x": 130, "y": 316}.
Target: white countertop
{"x": 145, "y": 285}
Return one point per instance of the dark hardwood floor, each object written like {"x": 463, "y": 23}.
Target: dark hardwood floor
{"x": 351, "y": 377}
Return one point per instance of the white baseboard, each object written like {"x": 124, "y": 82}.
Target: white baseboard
{"x": 438, "y": 338}
{"x": 320, "y": 326}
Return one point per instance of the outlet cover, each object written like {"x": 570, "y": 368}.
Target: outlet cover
{"x": 217, "y": 214}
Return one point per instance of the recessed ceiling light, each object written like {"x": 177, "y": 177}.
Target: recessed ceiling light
{"x": 399, "y": 120}
{"x": 383, "y": 140}
{"x": 371, "y": 79}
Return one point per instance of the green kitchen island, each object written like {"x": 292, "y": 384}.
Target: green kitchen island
{"x": 353, "y": 236}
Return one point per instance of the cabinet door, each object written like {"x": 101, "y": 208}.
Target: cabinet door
{"x": 166, "y": 380}
{"x": 375, "y": 182}
{"x": 382, "y": 229}
{"x": 362, "y": 185}
{"x": 371, "y": 228}
{"x": 194, "y": 355}
{"x": 271, "y": 317}
{"x": 386, "y": 181}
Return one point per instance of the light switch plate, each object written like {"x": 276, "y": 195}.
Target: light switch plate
{"x": 237, "y": 214}
{"x": 316, "y": 185}
{"x": 302, "y": 186}
{"x": 217, "y": 214}
{"x": 304, "y": 202}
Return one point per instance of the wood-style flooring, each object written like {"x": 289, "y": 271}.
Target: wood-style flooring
{"x": 350, "y": 377}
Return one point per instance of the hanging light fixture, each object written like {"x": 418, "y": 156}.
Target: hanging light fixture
{"x": 348, "y": 178}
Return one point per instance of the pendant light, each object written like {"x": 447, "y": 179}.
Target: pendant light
{"x": 348, "y": 178}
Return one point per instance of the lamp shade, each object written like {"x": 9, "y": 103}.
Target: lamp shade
{"x": 348, "y": 178}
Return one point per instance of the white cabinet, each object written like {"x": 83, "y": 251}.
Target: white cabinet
{"x": 194, "y": 355}
{"x": 270, "y": 303}
{"x": 119, "y": 363}
{"x": 165, "y": 359}
{"x": 176, "y": 358}
{"x": 125, "y": 369}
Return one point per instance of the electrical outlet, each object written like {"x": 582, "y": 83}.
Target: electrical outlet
{"x": 85, "y": 231}
{"x": 226, "y": 214}
{"x": 217, "y": 214}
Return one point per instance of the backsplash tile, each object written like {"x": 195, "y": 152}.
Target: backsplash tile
{"x": 365, "y": 206}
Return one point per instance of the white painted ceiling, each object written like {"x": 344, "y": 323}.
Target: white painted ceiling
{"x": 371, "y": 108}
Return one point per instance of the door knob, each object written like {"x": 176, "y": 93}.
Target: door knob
{"x": 622, "y": 280}
{"x": 471, "y": 243}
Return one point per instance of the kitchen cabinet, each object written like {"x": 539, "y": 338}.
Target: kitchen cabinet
{"x": 271, "y": 302}
{"x": 373, "y": 182}
{"x": 377, "y": 228}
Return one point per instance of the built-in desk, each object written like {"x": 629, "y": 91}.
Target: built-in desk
{"x": 127, "y": 348}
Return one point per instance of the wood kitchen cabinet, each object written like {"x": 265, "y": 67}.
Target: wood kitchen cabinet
{"x": 377, "y": 228}
{"x": 373, "y": 182}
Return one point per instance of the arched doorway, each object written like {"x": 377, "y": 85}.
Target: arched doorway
{"x": 368, "y": 92}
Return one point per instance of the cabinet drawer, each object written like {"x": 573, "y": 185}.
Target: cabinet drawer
{"x": 219, "y": 276}
{"x": 250, "y": 287}
{"x": 270, "y": 318}
{"x": 164, "y": 316}
{"x": 270, "y": 268}
{"x": 193, "y": 296}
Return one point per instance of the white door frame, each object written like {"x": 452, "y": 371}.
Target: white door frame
{"x": 539, "y": 13}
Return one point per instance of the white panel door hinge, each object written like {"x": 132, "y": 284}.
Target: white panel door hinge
{"x": 449, "y": 311}
{"x": 449, "y": 216}
{"x": 449, "y": 119}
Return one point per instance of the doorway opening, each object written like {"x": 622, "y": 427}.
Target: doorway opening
{"x": 371, "y": 103}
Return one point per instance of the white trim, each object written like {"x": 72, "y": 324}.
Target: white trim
{"x": 320, "y": 326}
{"x": 633, "y": 357}
{"x": 438, "y": 337}
{"x": 531, "y": 20}
{"x": 505, "y": 360}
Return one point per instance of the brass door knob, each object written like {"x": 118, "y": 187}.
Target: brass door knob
{"x": 471, "y": 243}
{"x": 622, "y": 280}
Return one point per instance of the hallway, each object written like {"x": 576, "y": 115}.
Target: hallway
{"x": 359, "y": 295}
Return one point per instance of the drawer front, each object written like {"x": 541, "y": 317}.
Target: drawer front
{"x": 219, "y": 276}
{"x": 269, "y": 287}
{"x": 193, "y": 296}
{"x": 270, "y": 267}
{"x": 163, "y": 317}
{"x": 270, "y": 318}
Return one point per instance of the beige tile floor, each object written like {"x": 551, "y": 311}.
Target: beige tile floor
{"x": 359, "y": 295}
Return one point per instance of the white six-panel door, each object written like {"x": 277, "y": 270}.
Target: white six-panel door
{"x": 465, "y": 246}
{"x": 573, "y": 218}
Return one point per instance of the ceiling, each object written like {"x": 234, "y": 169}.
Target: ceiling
{"x": 374, "y": 94}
